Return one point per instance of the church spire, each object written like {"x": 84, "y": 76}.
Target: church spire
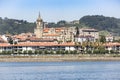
{"x": 39, "y": 17}
{"x": 39, "y": 27}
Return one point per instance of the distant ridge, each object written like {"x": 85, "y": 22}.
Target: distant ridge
{"x": 99, "y": 22}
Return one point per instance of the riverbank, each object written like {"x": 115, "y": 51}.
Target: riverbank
{"x": 59, "y": 58}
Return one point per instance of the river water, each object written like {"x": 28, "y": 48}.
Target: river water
{"x": 98, "y": 70}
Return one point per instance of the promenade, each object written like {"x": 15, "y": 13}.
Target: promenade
{"x": 59, "y": 58}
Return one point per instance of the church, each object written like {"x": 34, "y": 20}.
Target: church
{"x": 62, "y": 34}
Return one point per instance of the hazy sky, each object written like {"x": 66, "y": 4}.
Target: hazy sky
{"x": 55, "y": 10}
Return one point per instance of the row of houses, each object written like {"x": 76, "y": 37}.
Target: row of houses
{"x": 70, "y": 46}
{"x": 26, "y": 46}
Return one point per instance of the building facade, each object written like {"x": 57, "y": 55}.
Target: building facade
{"x": 62, "y": 34}
{"x": 38, "y": 31}
{"x": 90, "y": 35}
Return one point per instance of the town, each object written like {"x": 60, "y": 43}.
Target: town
{"x": 54, "y": 40}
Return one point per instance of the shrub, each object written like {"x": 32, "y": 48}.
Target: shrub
{"x": 40, "y": 52}
{"x": 51, "y": 52}
{"x": 75, "y": 52}
{"x": 89, "y": 51}
{"x": 66, "y": 52}
{"x": 102, "y": 51}
{"x": 72, "y": 52}
{"x": 36, "y": 51}
{"x": 46, "y": 52}
{"x": 58, "y": 52}
{"x": 30, "y": 52}
{"x": 96, "y": 51}
{"x": 111, "y": 51}
{"x": 24, "y": 52}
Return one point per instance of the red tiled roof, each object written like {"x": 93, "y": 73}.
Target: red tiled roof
{"x": 4, "y": 45}
{"x": 112, "y": 44}
{"x": 43, "y": 44}
{"x": 67, "y": 44}
{"x": 46, "y": 30}
{"x": 51, "y": 35}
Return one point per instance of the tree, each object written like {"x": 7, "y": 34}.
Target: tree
{"x": 46, "y": 52}
{"x": 102, "y": 39}
{"x": 25, "y": 52}
{"x": 66, "y": 52}
{"x": 77, "y": 31}
{"x": 30, "y": 52}
{"x": 40, "y": 51}
{"x": 84, "y": 44}
{"x": 61, "y": 23}
{"x": 51, "y": 25}
{"x": 10, "y": 40}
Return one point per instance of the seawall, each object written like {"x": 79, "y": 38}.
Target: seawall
{"x": 58, "y": 58}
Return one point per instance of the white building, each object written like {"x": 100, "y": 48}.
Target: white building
{"x": 87, "y": 35}
{"x": 109, "y": 38}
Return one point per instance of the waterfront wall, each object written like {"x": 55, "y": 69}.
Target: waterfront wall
{"x": 59, "y": 58}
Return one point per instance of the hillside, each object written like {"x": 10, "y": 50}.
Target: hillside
{"x": 98, "y": 22}
{"x": 110, "y": 24}
{"x": 14, "y": 26}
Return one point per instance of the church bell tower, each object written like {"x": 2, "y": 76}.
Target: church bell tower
{"x": 39, "y": 27}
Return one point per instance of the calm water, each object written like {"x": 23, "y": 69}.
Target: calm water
{"x": 60, "y": 71}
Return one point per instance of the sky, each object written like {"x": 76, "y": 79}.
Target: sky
{"x": 55, "y": 10}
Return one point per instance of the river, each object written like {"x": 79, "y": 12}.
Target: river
{"x": 95, "y": 70}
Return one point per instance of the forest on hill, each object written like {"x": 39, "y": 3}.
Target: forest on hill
{"x": 109, "y": 24}
{"x": 13, "y": 26}
{"x": 99, "y": 22}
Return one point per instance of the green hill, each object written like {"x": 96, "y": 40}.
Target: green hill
{"x": 102, "y": 23}
{"x": 14, "y": 26}
{"x": 109, "y": 24}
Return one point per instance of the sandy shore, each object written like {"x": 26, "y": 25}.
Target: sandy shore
{"x": 57, "y": 58}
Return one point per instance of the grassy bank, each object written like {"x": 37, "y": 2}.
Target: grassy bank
{"x": 60, "y": 58}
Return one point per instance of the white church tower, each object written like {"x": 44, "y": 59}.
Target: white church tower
{"x": 38, "y": 31}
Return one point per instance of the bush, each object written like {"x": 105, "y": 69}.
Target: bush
{"x": 66, "y": 52}
{"x": 40, "y": 52}
{"x": 62, "y": 52}
{"x": 89, "y": 52}
{"x": 3, "y": 53}
{"x": 46, "y": 52}
{"x": 58, "y": 52}
{"x": 75, "y": 52}
{"x": 106, "y": 51}
{"x": 30, "y": 52}
{"x": 102, "y": 51}
{"x": 9, "y": 53}
{"x": 111, "y": 51}
{"x": 19, "y": 52}
{"x": 24, "y": 52}
{"x": 36, "y": 51}
{"x": 6, "y": 53}
{"x": 72, "y": 52}
{"x": 96, "y": 51}
{"x": 51, "y": 52}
